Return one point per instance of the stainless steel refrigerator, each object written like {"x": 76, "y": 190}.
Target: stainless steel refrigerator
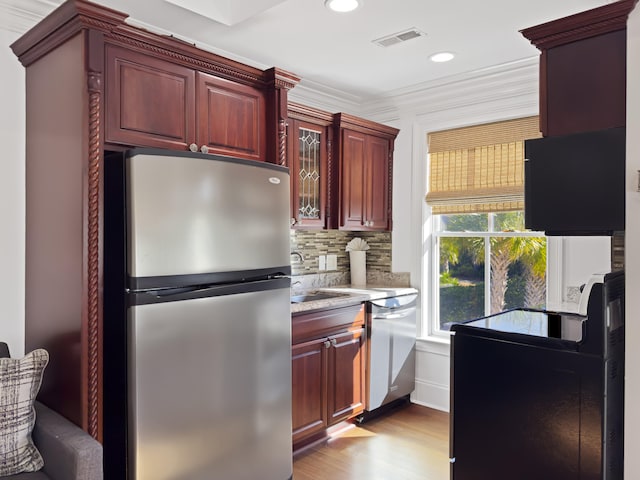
{"x": 197, "y": 352}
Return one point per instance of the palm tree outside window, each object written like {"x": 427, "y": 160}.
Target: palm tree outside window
{"x": 487, "y": 263}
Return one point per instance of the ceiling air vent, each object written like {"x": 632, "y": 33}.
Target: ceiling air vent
{"x": 399, "y": 37}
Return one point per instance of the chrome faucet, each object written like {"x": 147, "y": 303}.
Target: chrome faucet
{"x": 299, "y": 255}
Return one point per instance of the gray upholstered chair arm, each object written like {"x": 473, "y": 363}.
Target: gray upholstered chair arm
{"x": 69, "y": 452}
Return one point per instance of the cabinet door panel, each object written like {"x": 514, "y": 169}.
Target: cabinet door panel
{"x": 308, "y": 164}
{"x": 352, "y": 207}
{"x": 309, "y": 376}
{"x": 346, "y": 388}
{"x": 150, "y": 102}
{"x": 230, "y": 118}
{"x": 377, "y": 185}
{"x": 581, "y": 97}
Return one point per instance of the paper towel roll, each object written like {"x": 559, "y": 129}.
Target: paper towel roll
{"x": 358, "y": 260}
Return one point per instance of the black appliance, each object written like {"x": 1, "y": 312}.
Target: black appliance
{"x": 540, "y": 395}
{"x": 574, "y": 184}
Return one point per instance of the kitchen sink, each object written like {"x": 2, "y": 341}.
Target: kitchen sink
{"x": 310, "y": 297}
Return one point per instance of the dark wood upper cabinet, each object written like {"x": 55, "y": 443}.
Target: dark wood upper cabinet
{"x": 583, "y": 69}
{"x": 150, "y": 102}
{"x": 309, "y": 135}
{"x": 365, "y": 173}
{"x": 341, "y": 168}
{"x": 352, "y": 180}
{"x": 377, "y": 185}
{"x": 231, "y": 117}
{"x": 154, "y": 102}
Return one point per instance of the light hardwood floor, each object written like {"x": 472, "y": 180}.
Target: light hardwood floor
{"x": 410, "y": 443}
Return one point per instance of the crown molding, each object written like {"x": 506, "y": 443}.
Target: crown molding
{"x": 597, "y": 21}
{"x": 514, "y": 83}
{"x": 325, "y": 98}
{"x": 20, "y": 15}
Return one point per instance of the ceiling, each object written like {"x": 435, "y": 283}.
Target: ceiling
{"x": 333, "y": 52}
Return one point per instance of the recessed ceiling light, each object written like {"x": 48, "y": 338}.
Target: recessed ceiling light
{"x": 342, "y": 5}
{"x": 441, "y": 57}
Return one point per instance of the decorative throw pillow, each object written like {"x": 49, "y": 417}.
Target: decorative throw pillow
{"x": 20, "y": 381}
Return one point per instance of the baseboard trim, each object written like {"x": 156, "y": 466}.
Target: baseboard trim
{"x": 431, "y": 395}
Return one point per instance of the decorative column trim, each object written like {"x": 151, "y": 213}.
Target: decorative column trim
{"x": 389, "y": 225}
{"x": 282, "y": 141}
{"x": 329, "y": 212}
{"x": 278, "y": 83}
{"x": 94, "y": 83}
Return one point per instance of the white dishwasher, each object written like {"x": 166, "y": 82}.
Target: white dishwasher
{"x": 391, "y": 366}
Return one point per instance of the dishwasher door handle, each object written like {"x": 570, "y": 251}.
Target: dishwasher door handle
{"x": 391, "y": 314}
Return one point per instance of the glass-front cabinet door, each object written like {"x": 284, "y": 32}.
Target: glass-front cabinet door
{"x": 308, "y": 168}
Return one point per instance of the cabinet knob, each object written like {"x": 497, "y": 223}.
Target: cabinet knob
{"x": 193, "y": 147}
{"x": 334, "y": 342}
{"x": 327, "y": 344}
{"x": 292, "y": 221}
{"x": 204, "y": 149}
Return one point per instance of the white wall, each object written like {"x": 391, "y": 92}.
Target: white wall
{"x": 632, "y": 252}
{"x": 584, "y": 256}
{"x": 12, "y": 139}
{"x": 572, "y": 261}
{"x": 402, "y": 171}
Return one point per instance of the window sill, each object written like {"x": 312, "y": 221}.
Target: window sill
{"x": 439, "y": 345}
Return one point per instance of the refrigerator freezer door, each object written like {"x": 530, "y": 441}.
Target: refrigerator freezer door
{"x": 194, "y": 214}
{"x": 210, "y": 388}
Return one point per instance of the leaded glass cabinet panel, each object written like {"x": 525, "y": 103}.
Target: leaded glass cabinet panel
{"x": 308, "y": 166}
{"x": 309, "y": 171}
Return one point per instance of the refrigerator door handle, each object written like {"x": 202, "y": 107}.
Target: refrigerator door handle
{"x": 201, "y": 291}
{"x": 170, "y": 292}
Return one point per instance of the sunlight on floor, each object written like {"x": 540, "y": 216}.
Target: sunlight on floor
{"x": 353, "y": 432}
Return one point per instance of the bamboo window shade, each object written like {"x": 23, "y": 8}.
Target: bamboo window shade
{"x": 480, "y": 168}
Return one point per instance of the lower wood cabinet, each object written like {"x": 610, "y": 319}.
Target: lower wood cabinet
{"x": 328, "y": 369}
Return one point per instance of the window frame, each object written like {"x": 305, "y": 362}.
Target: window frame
{"x": 433, "y": 327}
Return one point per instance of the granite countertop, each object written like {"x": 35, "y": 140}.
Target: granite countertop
{"x": 346, "y": 296}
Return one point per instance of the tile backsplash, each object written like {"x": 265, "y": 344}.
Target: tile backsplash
{"x": 617, "y": 251}
{"x": 313, "y": 243}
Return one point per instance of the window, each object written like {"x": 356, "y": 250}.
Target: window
{"x": 486, "y": 263}
{"x": 483, "y": 260}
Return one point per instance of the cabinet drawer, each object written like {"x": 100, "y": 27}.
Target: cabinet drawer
{"x": 307, "y": 326}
